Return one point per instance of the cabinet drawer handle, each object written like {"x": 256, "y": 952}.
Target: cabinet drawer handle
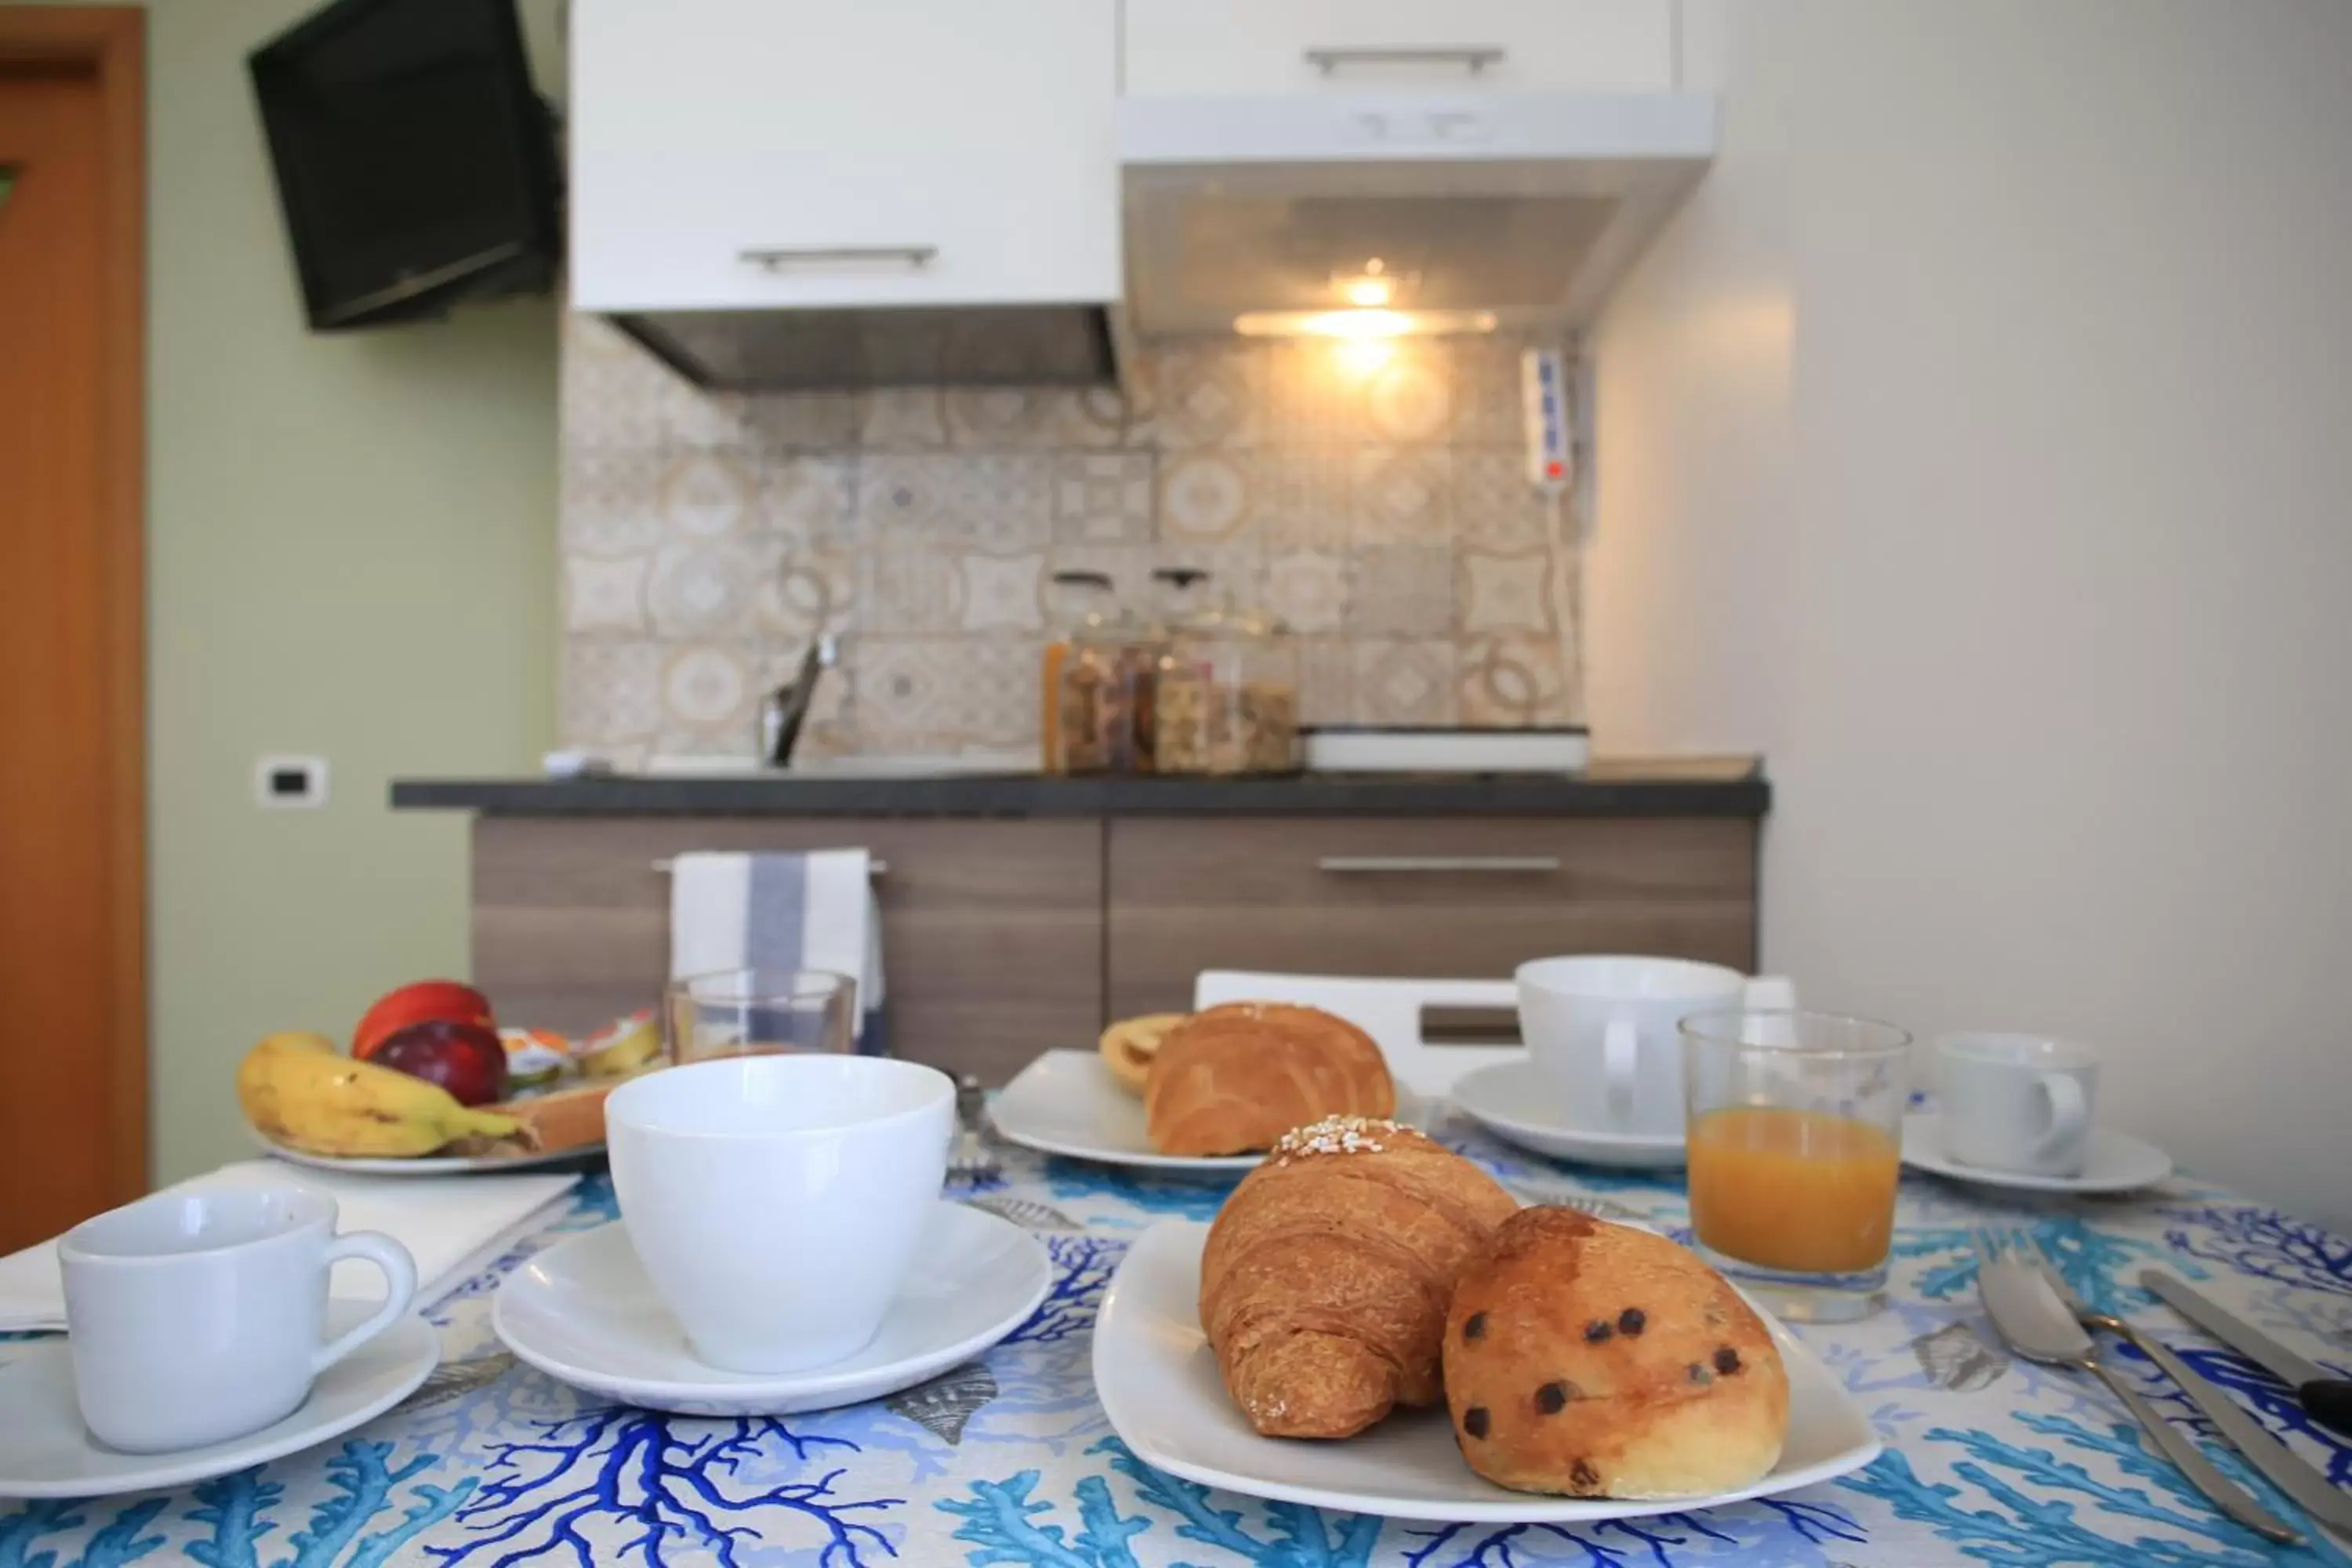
{"x": 1476, "y": 58}
{"x": 1383, "y": 865}
{"x": 776, "y": 256}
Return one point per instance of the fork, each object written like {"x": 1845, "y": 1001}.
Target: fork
{"x": 971, "y": 1159}
{"x": 2037, "y": 1325}
{"x": 2280, "y": 1465}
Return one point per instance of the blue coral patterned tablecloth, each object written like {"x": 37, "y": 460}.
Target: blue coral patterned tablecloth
{"x": 1009, "y": 1460}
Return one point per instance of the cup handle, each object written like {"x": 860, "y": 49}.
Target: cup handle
{"x": 1768, "y": 993}
{"x": 1621, "y": 1047}
{"x": 400, "y": 1286}
{"x": 2069, "y": 1112}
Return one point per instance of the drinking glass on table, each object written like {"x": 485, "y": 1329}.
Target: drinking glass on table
{"x": 755, "y": 1010}
{"x": 1794, "y": 1132}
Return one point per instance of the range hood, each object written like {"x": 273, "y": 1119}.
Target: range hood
{"x": 1463, "y": 211}
{"x": 831, "y": 350}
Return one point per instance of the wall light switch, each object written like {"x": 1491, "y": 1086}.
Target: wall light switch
{"x": 296, "y": 782}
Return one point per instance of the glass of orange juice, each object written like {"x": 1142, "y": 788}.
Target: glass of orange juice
{"x": 1795, "y": 1123}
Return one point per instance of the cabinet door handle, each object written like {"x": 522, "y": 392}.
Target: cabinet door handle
{"x": 1385, "y": 864}
{"x": 1475, "y": 57}
{"x": 777, "y": 257}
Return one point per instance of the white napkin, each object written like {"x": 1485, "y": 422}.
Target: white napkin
{"x": 447, "y": 1224}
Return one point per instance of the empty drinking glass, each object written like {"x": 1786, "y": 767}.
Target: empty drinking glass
{"x": 755, "y": 1010}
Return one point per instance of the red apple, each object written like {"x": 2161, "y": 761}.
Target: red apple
{"x": 464, "y": 1058}
{"x": 427, "y": 1001}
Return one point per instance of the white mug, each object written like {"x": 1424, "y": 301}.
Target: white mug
{"x": 1601, "y": 1028}
{"x": 2016, "y": 1102}
{"x": 199, "y": 1317}
{"x": 776, "y": 1201}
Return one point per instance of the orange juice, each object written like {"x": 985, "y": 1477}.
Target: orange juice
{"x": 1795, "y": 1189}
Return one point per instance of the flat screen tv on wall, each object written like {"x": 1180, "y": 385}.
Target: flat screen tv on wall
{"x": 416, "y": 165}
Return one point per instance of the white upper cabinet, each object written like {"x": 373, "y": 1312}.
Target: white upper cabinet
{"x": 1208, "y": 47}
{"x": 759, "y": 154}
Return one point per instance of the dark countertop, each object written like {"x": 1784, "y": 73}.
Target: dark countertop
{"x": 1698, "y": 786}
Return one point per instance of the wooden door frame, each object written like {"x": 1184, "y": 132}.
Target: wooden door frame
{"x": 111, "y": 40}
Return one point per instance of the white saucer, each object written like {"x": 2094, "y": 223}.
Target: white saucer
{"x": 1067, "y": 1102}
{"x": 584, "y": 1313}
{"x": 47, "y": 1452}
{"x": 1516, "y": 1102}
{"x": 1158, "y": 1383}
{"x": 2115, "y": 1163}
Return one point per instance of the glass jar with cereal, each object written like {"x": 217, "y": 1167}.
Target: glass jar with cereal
{"x": 1227, "y": 701}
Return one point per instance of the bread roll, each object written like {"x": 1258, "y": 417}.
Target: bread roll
{"x": 1596, "y": 1360}
{"x": 1232, "y": 1080}
{"x": 1326, "y": 1277}
{"x": 564, "y": 1118}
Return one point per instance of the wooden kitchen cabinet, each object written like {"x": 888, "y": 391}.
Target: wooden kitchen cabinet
{"x": 1205, "y": 48}
{"x": 991, "y": 930}
{"x": 1019, "y": 915}
{"x": 890, "y": 152}
{"x": 1440, "y": 898}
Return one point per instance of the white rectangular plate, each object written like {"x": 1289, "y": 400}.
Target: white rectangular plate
{"x": 1158, "y": 1383}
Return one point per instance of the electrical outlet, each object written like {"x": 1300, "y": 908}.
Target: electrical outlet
{"x": 291, "y": 782}
{"x": 1543, "y": 402}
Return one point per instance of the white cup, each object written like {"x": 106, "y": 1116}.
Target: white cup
{"x": 1601, "y": 1028}
{"x": 776, "y": 1201}
{"x": 199, "y": 1317}
{"x": 2016, "y": 1102}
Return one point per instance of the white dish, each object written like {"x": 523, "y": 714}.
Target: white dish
{"x": 1067, "y": 1102}
{"x": 1514, "y": 1101}
{"x": 45, "y": 1452}
{"x": 2114, "y": 1163}
{"x": 431, "y": 1165}
{"x": 1159, "y": 1385}
{"x": 584, "y": 1313}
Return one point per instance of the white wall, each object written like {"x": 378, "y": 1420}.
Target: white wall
{"x": 1978, "y": 445}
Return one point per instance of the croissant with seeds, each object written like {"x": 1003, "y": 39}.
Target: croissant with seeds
{"x": 1326, "y": 1277}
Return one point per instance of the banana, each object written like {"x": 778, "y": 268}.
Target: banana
{"x": 628, "y": 1044}
{"x": 256, "y": 1091}
{"x": 301, "y": 1094}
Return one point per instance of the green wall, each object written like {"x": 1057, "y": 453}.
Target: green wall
{"x": 350, "y": 554}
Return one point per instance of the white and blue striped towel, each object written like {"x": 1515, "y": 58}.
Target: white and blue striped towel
{"x": 782, "y": 910}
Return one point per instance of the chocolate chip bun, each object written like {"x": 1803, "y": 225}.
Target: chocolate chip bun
{"x": 1595, "y": 1360}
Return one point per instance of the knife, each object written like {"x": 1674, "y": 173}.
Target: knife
{"x": 2280, "y": 1465}
{"x": 2326, "y": 1397}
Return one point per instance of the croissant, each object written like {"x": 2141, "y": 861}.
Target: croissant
{"x": 1236, "y": 1077}
{"x": 1326, "y": 1277}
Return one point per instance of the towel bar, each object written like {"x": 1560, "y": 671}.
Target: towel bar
{"x": 872, "y": 868}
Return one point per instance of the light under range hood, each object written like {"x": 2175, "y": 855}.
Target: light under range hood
{"x": 1509, "y": 211}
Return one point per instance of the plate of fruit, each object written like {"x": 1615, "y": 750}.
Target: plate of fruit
{"x": 432, "y": 1086}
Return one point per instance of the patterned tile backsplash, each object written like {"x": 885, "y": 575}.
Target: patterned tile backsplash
{"x": 1374, "y": 499}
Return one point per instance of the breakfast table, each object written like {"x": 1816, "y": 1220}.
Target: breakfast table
{"x": 1009, "y": 1460}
